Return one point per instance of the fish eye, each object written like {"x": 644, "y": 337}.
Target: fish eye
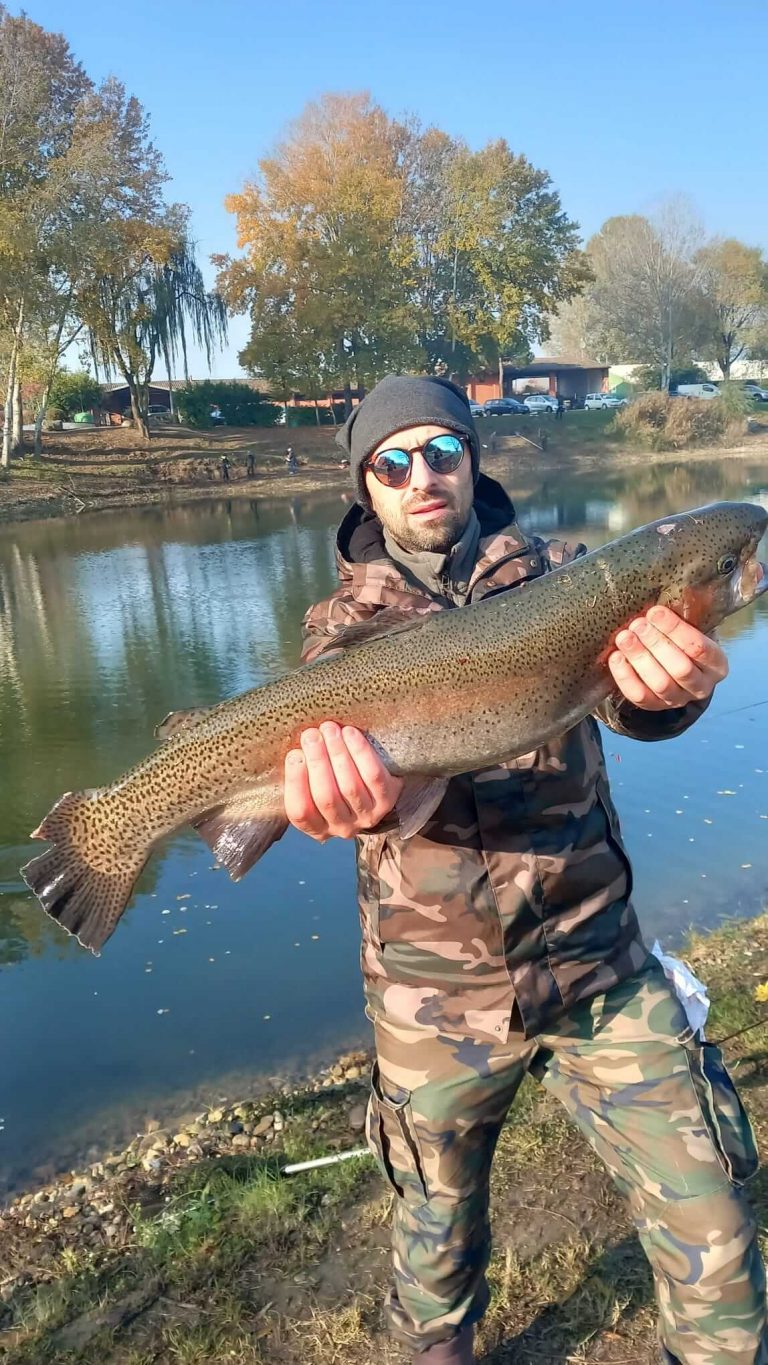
{"x": 727, "y": 564}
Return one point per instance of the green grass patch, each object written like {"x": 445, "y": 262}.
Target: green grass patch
{"x": 239, "y": 1250}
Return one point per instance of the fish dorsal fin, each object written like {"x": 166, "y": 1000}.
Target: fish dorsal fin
{"x": 176, "y": 721}
{"x": 388, "y": 621}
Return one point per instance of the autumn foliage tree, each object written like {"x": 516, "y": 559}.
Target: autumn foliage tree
{"x": 371, "y": 245}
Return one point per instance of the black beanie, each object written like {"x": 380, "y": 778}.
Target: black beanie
{"x": 399, "y": 402}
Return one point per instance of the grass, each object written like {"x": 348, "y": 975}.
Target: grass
{"x": 244, "y": 1265}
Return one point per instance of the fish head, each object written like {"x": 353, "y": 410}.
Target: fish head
{"x": 710, "y": 561}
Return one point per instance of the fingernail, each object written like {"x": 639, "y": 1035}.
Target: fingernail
{"x": 623, "y": 638}
{"x": 295, "y": 758}
{"x": 641, "y": 627}
{"x": 310, "y": 739}
{"x": 330, "y": 729}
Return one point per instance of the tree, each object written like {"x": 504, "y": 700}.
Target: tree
{"x": 372, "y": 245}
{"x": 149, "y": 296}
{"x": 74, "y": 392}
{"x": 240, "y": 405}
{"x": 41, "y": 85}
{"x": 642, "y": 305}
{"x": 734, "y": 300}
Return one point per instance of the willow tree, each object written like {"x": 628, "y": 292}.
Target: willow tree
{"x": 148, "y": 302}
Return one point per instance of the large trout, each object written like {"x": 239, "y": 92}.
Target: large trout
{"x": 443, "y": 693}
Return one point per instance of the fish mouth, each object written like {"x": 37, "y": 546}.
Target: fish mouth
{"x": 752, "y": 580}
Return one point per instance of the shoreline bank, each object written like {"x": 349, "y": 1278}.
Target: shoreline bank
{"x": 67, "y": 493}
{"x": 192, "y": 1245}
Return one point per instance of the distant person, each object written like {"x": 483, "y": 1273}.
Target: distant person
{"x": 250, "y": 464}
{"x": 224, "y": 467}
{"x": 291, "y": 462}
{"x": 217, "y": 416}
{"x": 560, "y": 407}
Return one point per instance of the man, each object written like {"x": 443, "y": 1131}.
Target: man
{"x": 501, "y": 938}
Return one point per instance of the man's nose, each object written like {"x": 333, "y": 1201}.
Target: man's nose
{"x": 422, "y": 477}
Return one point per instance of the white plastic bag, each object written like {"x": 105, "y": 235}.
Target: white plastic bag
{"x": 691, "y": 992}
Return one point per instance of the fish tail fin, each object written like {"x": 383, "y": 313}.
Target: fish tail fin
{"x": 84, "y": 900}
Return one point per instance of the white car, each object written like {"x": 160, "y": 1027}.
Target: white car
{"x": 755, "y": 391}
{"x": 603, "y": 401}
{"x": 540, "y": 402}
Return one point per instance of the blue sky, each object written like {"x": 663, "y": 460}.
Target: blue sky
{"x": 624, "y": 103}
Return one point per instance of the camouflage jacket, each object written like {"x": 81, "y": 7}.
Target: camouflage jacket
{"x": 513, "y": 902}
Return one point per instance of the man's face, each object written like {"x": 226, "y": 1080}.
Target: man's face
{"x": 431, "y": 510}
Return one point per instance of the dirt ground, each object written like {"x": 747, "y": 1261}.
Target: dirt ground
{"x": 84, "y": 471}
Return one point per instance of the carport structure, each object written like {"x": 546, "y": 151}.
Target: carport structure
{"x": 543, "y": 374}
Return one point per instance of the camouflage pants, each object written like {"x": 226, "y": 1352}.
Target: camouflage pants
{"x": 657, "y": 1107}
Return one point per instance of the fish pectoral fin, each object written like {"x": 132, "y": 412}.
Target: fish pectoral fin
{"x": 176, "y": 721}
{"x": 238, "y": 839}
{"x": 418, "y": 800}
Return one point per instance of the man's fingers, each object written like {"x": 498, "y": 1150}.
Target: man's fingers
{"x": 631, "y": 685}
{"x": 664, "y": 665}
{"x": 383, "y": 787}
{"x": 300, "y": 807}
{"x": 658, "y": 682}
{"x": 703, "y": 650}
{"x": 349, "y": 780}
{"x": 322, "y": 783}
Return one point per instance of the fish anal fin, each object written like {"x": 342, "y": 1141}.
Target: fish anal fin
{"x": 176, "y": 721}
{"x": 238, "y": 838}
{"x": 419, "y": 799}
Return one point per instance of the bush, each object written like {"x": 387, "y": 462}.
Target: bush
{"x": 664, "y": 423}
{"x": 695, "y": 422}
{"x": 645, "y": 416}
{"x": 74, "y": 392}
{"x": 307, "y": 417}
{"x": 55, "y": 414}
{"x": 241, "y": 406}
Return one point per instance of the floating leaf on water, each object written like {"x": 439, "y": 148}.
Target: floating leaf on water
{"x": 166, "y": 1011}
{"x": 726, "y": 792}
{"x": 165, "y": 912}
{"x": 707, "y": 821}
{"x": 187, "y": 896}
{"x": 315, "y": 936}
{"x": 746, "y": 864}
{"x": 267, "y": 1016}
{"x": 179, "y": 931}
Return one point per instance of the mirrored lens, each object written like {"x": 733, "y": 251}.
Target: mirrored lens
{"x": 392, "y": 467}
{"x": 444, "y": 453}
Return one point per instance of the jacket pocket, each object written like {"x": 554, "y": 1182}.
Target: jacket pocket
{"x": 393, "y": 1140}
{"x": 613, "y": 830}
{"x": 723, "y": 1113}
{"x": 370, "y": 848}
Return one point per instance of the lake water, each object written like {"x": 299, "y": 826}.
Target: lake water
{"x": 109, "y": 621}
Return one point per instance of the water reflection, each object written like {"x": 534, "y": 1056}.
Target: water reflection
{"x": 109, "y": 622}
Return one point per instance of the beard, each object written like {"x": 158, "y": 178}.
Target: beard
{"x": 438, "y": 535}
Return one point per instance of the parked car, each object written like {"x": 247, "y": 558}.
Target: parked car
{"x": 540, "y": 402}
{"x": 755, "y": 391}
{"x": 476, "y": 409}
{"x": 504, "y": 407}
{"x": 159, "y": 412}
{"x": 604, "y": 401}
{"x": 698, "y": 390}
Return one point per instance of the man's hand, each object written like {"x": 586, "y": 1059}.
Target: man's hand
{"x": 336, "y": 784}
{"x": 662, "y": 661}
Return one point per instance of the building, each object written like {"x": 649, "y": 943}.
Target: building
{"x": 544, "y": 374}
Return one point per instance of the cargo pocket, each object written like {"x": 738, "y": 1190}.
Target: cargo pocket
{"x": 723, "y": 1113}
{"x": 393, "y": 1140}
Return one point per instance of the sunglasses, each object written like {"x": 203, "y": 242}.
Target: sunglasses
{"x": 443, "y": 454}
